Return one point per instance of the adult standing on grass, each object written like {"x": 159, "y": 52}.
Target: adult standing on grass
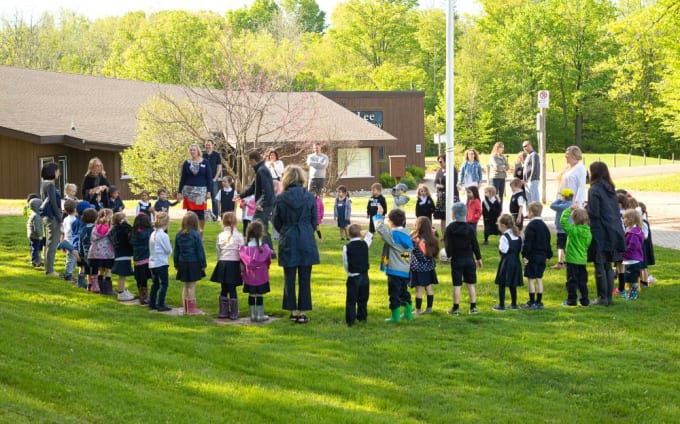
{"x": 440, "y": 186}
{"x": 573, "y": 176}
{"x": 532, "y": 172}
{"x": 318, "y": 163}
{"x": 195, "y": 184}
{"x": 471, "y": 170}
{"x": 295, "y": 218}
{"x": 605, "y": 225}
{"x": 95, "y": 187}
{"x": 215, "y": 160}
{"x": 51, "y": 213}
{"x": 263, "y": 189}
{"x": 275, "y": 167}
{"x": 498, "y": 169}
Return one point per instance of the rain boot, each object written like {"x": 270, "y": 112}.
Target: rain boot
{"x": 408, "y": 312}
{"x": 94, "y": 284}
{"x": 253, "y": 315}
{"x": 224, "y": 308}
{"x": 396, "y": 316}
{"x": 191, "y": 307}
{"x": 261, "y": 317}
{"x": 82, "y": 281}
{"x": 233, "y": 309}
{"x": 106, "y": 286}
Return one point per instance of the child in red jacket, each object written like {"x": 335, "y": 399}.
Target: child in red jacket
{"x": 474, "y": 207}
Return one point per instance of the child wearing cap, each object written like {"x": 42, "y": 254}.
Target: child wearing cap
{"x": 400, "y": 197}
{"x": 563, "y": 202}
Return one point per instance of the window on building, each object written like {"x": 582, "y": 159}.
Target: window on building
{"x": 63, "y": 167}
{"x": 354, "y": 163}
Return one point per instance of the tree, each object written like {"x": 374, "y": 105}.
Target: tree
{"x": 258, "y": 17}
{"x": 166, "y": 127}
{"x": 376, "y": 30}
{"x": 306, "y": 14}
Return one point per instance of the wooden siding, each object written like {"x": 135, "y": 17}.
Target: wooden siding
{"x": 20, "y": 166}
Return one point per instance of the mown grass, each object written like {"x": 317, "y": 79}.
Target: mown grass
{"x": 555, "y": 161}
{"x": 669, "y": 183}
{"x": 72, "y": 357}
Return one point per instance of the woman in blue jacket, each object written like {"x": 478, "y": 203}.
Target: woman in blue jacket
{"x": 295, "y": 218}
{"x": 470, "y": 171}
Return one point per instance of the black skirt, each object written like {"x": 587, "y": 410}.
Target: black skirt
{"x": 227, "y": 272}
{"x": 189, "y": 272}
{"x": 122, "y": 268}
{"x": 423, "y": 278}
{"x": 254, "y": 290}
{"x": 440, "y": 206}
{"x": 101, "y": 263}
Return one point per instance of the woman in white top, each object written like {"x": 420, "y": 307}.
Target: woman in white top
{"x": 573, "y": 176}
{"x": 275, "y": 167}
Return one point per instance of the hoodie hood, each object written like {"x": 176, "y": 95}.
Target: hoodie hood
{"x": 34, "y": 204}
{"x": 294, "y": 197}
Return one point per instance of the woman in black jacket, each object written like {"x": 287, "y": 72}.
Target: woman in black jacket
{"x": 605, "y": 225}
{"x": 95, "y": 187}
{"x": 295, "y": 218}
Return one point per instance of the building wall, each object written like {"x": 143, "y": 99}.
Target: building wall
{"x": 403, "y": 117}
{"x": 20, "y": 165}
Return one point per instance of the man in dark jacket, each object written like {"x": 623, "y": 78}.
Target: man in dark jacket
{"x": 263, "y": 189}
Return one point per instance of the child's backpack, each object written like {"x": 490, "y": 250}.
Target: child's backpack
{"x": 255, "y": 261}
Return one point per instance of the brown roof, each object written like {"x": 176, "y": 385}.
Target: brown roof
{"x": 40, "y": 106}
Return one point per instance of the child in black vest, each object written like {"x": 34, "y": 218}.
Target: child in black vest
{"x": 355, "y": 259}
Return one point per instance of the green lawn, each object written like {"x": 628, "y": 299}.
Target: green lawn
{"x": 72, "y": 357}
{"x": 669, "y": 183}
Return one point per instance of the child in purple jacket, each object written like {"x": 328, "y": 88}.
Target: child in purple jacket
{"x": 632, "y": 257}
{"x": 256, "y": 257}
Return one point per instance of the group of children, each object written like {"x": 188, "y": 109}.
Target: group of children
{"x": 102, "y": 243}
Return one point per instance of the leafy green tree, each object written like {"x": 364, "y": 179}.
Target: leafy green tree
{"x": 306, "y": 14}
{"x": 376, "y": 31}
{"x": 258, "y": 17}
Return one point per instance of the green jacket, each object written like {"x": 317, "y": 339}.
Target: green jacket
{"x": 578, "y": 240}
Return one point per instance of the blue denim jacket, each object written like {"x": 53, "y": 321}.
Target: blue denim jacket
{"x": 189, "y": 248}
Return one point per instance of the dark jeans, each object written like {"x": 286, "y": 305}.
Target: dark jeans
{"x": 397, "y": 289}
{"x": 499, "y": 183}
{"x": 36, "y": 250}
{"x": 577, "y": 279}
{"x": 356, "y": 306}
{"x": 159, "y": 287}
{"x": 316, "y": 185}
{"x": 304, "y": 298}
{"x": 264, "y": 216}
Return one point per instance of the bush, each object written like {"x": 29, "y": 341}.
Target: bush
{"x": 387, "y": 180}
{"x": 417, "y": 172}
{"x": 410, "y": 182}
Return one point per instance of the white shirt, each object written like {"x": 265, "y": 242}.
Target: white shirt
{"x": 159, "y": 248}
{"x": 503, "y": 244}
{"x": 575, "y": 179}
{"x": 228, "y": 243}
{"x": 67, "y": 227}
{"x": 317, "y": 165}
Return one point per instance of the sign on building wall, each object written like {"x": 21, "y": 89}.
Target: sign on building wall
{"x": 375, "y": 117}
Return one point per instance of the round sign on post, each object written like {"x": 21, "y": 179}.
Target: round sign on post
{"x": 543, "y": 99}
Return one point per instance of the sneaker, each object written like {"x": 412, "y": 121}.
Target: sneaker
{"x": 567, "y": 305}
{"x": 163, "y": 308}
{"x": 498, "y": 308}
{"x": 617, "y": 291}
{"x": 599, "y": 301}
{"x": 473, "y": 311}
{"x": 417, "y": 312}
{"x": 538, "y": 306}
{"x": 559, "y": 265}
{"x": 529, "y": 305}
{"x": 513, "y": 307}
{"x": 623, "y": 294}
{"x": 650, "y": 279}
{"x": 427, "y": 311}
{"x": 125, "y": 296}
{"x": 454, "y": 312}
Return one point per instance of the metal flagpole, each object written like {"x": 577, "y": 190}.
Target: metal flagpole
{"x": 449, "y": 107}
